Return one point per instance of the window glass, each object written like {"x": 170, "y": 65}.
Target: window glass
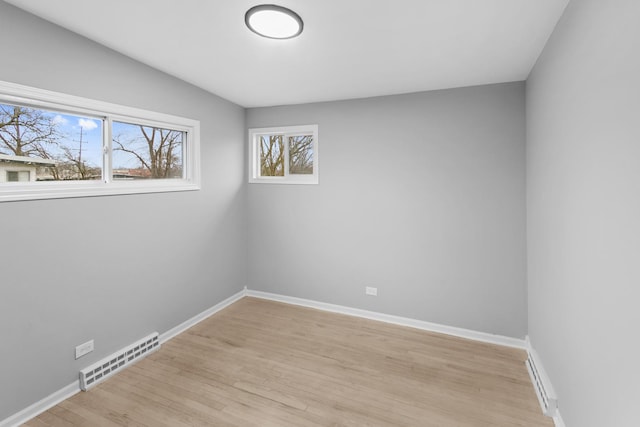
{"x": 271, "y": 155}
{"x": 52, "y": 146}
{"x": 145, "y": 152}
{"x": 16, "y": 176}
{"x": 301, "y": 155}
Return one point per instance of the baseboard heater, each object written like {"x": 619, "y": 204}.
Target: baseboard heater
{"x": 108, "y": 366}
{"x": 542, "y": 385}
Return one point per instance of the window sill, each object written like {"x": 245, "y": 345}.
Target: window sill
{"x": 281, "y": 181}
{"x": 62, "y": 190}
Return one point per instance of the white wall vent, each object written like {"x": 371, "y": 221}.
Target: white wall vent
{"x": 108, "y": 366}
{"x": 542, "y": 385}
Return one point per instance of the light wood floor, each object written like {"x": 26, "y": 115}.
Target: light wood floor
{"x": 262, "y": 363}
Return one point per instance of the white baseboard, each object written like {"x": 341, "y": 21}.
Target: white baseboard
{"x": 200, "y": 317}
{"x": 558, "y": 421}
{"x": 397, "y": 320}
{"x": 39, "y": 407}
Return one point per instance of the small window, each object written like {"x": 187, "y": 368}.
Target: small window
{"x": 286, "y": 155}
{"x": 18, "y": 176}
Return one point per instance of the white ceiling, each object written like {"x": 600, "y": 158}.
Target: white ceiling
{"x": 349, "y": 48}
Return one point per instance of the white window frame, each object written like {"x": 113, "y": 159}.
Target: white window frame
{"x": 285, "y": 131}
{"x": 11, "y": 93}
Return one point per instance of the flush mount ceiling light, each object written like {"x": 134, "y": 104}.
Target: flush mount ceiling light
{"x": 273, "y": 22}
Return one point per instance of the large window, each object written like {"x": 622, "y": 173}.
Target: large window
{"x": 55, "y": 145}
{"x": 285, "y": 155}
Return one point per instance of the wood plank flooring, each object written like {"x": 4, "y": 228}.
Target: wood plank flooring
{"x": 263, "y": 363}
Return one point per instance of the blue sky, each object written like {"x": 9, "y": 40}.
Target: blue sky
{"x": 72, "y": 127}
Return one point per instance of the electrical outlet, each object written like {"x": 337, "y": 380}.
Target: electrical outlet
{"x": 371, "y": 291}
{"x": 83, "y": 349}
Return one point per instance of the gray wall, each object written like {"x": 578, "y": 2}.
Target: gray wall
{"x": 115, "y": 268}
{"x": 583, "y": 184}
{"x": 420, "y": 195}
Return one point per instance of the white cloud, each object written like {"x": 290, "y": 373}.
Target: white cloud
{"x": 87, "y": 124}
{"x": 59, "y": 120}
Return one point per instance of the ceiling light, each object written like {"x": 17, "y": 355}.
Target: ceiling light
{"x": 274, "y": 22}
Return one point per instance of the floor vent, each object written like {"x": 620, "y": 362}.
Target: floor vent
{"x": 542, "y": 386}
{"x": 108, "y": 366}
